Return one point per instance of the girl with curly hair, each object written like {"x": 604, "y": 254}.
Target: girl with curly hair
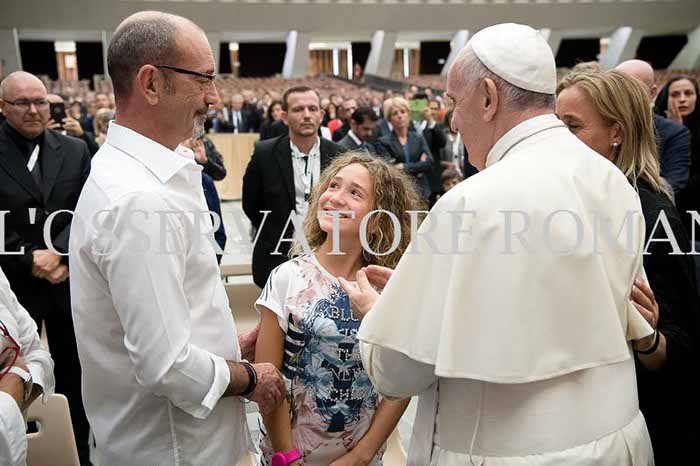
{"x": 332, "y": 415}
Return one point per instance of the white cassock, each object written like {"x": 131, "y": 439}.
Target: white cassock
{"x": 520, "y": 356}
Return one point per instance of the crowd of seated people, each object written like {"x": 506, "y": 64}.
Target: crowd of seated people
{"x": 253, "y": 105}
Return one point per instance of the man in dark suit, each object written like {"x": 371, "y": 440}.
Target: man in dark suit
{"x": 238, "y": 120}
{"x": 673, "y": 139}
{"x": 435, "y": 136}
{"x": 275, "y": 129}
{"x": 674, "y": 151}
{"x": 253, "y": 113}
{"x": 71, "y": 127}
{"x": 363, "y": 126}
{"x": 41, "y": 173}
{"x": 348, "y": 107}
{"x": 280, "y": 176}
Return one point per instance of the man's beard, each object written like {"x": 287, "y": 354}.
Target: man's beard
{"x": 198, "y": 126}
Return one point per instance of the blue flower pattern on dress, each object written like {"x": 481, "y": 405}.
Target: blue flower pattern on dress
{"x": 329, "y": 365}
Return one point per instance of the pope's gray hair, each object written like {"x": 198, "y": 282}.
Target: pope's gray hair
{"x": 472, "y": 72}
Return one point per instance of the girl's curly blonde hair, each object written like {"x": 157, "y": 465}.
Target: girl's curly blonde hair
{"x": 392, "y": 189}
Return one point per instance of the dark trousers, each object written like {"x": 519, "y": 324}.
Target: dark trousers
{"x": 51, "y": 305}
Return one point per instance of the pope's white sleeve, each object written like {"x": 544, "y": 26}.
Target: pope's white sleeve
{"x": 144, "y": 264}
{"x": 393, "y": 374}
{"x": 13, "y": 437}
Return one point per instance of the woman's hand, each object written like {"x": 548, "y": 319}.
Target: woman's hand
{"x": 349, "y": 459}
{"x": 642, "y": 298}
{"x": 672, "y": 113}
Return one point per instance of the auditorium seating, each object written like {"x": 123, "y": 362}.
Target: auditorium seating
{"x": 438, "y": 82}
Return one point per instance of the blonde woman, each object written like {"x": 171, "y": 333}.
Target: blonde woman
{"x": 407, "y": 149}
{"x": 610, "y": 113}
{"x": 333, "y": 416}
{"x": 101, "y": 124}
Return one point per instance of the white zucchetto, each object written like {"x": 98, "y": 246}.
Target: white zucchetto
{"x": 519, "y": 55}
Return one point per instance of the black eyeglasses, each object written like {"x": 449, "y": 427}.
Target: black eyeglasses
{"x": 27, "y": 104}
{"x": 210, "y": 77}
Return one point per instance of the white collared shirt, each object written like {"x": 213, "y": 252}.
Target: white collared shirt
{"x": 354, "y": 137}
{"x": 305, "y": 174}
{"x": 152, "y": 319}
{"x": 420, "y": 126}
{"x": 237, "y": 121}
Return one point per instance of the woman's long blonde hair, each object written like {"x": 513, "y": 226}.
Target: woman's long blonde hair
{"x": 392, "y": 190}
{"x": 624, "y": 100}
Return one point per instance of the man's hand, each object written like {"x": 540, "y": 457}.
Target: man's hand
{"x": 270, "y": 391}
{"x": 424, "y": 157}
{"x": 247, "y": 343}
{"x": 73, "y": 127}
{"x": 363, "y": 296}
{"x": 59, "y": 275}
{"x": 44, "y": 262}
{"x": 51, "y": 124}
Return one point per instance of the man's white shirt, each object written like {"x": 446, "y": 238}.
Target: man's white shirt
{"x": 152, "y": 318}
{"x": 306, "y": 174}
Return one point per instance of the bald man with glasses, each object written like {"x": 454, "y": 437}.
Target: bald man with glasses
{"x": 164, "y": 376}
{"x": 41, "y": 174}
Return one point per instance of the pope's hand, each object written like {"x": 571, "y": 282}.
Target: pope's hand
{"x": 270, "y": 391}
{"x": 378, "y": 276}
{"x": 362, "y": 296}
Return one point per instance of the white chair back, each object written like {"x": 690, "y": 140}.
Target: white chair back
{"x": 54, "y": 443}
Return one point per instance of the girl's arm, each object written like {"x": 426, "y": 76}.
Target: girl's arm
{"x": 270, "y": 348}
{"x": 384, "y": 421}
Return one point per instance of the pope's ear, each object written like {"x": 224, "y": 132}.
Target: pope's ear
{"x": 490, "y": 96}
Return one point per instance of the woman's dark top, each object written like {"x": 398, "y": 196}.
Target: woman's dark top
{"x": 667, "y": 398}
{"x": 409, "y": 155}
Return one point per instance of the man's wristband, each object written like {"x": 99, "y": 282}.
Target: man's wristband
{"x": 654, "y": 346}
{"x": 252, "y": 379}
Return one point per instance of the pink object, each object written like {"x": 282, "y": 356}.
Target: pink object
{"x": 283, "y": 459}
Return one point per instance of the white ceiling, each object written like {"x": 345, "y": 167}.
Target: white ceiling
{"x": 341, "y": 20}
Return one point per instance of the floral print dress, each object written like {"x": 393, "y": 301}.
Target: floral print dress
{"x": 332, "y": 398}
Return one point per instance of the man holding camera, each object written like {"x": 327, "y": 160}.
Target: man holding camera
{"x": 65, "y": 124}
{"x": 41, "y": 174}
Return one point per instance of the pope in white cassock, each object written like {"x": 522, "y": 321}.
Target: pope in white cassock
{"x": 510, "y": 317}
